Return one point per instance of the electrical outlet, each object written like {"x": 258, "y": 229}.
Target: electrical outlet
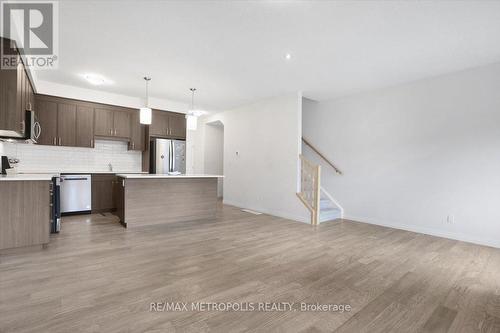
{"x": 450, "y": 219}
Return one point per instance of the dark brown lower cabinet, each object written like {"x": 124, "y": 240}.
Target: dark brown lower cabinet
{"x": 103, "y": 193}
{"x": 119, "y": 192}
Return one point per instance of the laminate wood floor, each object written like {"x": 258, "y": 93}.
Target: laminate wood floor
{"x": 96, "y": 276}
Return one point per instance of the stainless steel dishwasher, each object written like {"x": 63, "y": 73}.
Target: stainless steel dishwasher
{"x": 76, "y": 194}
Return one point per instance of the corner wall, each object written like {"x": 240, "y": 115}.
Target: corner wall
{"x": 99, "y": 96}
{"x": 417, "y": 156}
{"x": 214, "y": 153}
{"x": 261, "y": 148}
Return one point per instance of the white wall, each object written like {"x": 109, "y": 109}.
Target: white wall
{"x": 261, "y": 147}
{"x": 38, "y": 158}
{"x": 416, "y": 153}
{"x": 214, "y": 152}
{"x": 99, "y": 96}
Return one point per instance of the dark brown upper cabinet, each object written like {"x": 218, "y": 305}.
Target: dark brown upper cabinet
{"x": 10, "y": 115}
{"x": 15, "y": 89}
{"x": 177, "y": 125}
{"x": 58, "y": 122}
{"x": 47, "y": 117}
{"x": 103, "y": 124}
{"x": 69, "y": 122}
{"x": 84, "y": 126}
{"x": 121, "y": 121}
{"x": 66, "y": 124}
{"x": 63, "y": 122}
{"x": 159, "y": 124}
{"x": 137, "y": 132}
{"x": 168, "y": 124}
{"x": 112, "y": 122}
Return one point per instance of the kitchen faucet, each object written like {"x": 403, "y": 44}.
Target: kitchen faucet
{"x": 110, "y": 166}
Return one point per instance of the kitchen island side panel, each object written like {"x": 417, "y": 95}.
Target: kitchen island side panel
{"x": 24, "y": 213}
{"x": 158, "y": 201}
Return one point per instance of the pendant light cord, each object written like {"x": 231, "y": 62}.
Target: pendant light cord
{"x": 192, "y": 100}
{"x": 147, "y": 79}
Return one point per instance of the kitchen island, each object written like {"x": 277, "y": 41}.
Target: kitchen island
{"x": 150, "y": 199}
{"x": 24, "y": 210}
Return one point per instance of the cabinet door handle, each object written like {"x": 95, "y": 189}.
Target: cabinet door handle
{"x": 55, "y": 142}
{"x": 60, "y": 142}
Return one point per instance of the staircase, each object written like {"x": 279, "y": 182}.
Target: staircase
{"x": 319, "y": 202}
{"x": 328, "y": 210}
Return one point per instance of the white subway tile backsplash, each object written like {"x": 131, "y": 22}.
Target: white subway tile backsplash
{"x": 35, "y": 158}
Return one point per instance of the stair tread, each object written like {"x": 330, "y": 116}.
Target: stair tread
{"x": 330, "y": 209}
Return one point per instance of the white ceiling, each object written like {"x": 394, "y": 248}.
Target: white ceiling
{"x": 234, "y": 51}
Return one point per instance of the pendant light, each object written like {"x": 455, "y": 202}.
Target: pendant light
{"x": 191, "y": 118}
{"x": 145, "y": 112}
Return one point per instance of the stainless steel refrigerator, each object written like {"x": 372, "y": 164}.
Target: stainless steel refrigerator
{"x": 167, "y": 156}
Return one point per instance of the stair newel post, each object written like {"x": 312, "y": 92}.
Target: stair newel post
{"x": 317, "y": 195}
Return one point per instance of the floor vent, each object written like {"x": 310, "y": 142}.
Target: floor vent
{"x": 251, "y": 211}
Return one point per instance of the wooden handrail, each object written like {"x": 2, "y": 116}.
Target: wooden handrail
{"x": 322, "y": 156}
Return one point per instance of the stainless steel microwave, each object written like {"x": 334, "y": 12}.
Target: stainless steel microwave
{"x": 31, "y": 133}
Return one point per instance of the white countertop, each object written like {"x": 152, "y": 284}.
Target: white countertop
{"x": 161, "y": 176}
{"x": 27, "y": 176}
{"x": 87, "y": 172}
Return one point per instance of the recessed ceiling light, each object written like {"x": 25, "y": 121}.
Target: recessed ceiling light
{"x": 288, "y": 56}
{"x": 95, "y": 79}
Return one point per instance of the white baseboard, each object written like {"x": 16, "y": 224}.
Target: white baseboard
{"x": 429, "y": 231}
{"x": 285, "y": 215}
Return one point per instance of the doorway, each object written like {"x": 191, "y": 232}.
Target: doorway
{"x": 214, "y": 153}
